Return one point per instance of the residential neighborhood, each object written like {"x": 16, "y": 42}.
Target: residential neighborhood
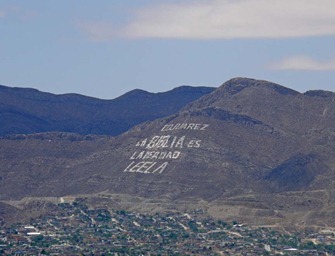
{"x": 74, "y": 229}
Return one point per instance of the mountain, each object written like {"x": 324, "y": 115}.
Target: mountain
{"x": 273, "y": 104}
{"x": 251, "y": 150}
{"x": 28, "y": 111}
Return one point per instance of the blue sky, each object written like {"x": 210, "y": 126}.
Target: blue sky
{"x": 105, "y": 48}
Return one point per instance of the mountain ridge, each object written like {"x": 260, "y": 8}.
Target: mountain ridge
{"x": 262, "y": 154}
{"x": 26, "y": 110}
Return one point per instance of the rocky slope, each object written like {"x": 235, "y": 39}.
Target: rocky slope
{"x": 250, "y": 150}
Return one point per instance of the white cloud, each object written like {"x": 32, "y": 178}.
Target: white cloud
{"x": 304, "y": 63}
{"x": 226, "y": 19}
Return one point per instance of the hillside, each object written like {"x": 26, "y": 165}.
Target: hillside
{"x": 251, "y": 150}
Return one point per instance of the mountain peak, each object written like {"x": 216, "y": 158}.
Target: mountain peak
{"x": 240, "y": 91}
{"x": 192, "y": 89}
{"x": 319, "y": 93}
{"x": 238, "y": 84}
{"x": 136, "y": 93}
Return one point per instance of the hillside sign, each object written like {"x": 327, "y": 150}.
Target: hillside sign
{"x": 154, "y": 154}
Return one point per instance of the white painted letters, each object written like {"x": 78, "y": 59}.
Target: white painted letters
{"x": 146, "y": 167}
{"x": 194, "y": 144}
{"x": 161, "y": 168}
{"x": 184, "y": 126}
{"x": 155, "y": 153}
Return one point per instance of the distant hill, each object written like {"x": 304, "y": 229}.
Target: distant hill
{"x": 251, "y": 151}
{"x": 26, "y": 111}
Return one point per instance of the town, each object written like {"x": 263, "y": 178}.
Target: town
{"x": 75, "y": 229}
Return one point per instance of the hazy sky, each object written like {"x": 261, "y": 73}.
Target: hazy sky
{"x": 104, "y": 48}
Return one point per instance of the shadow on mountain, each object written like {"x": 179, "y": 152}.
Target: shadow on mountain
{"x": 297, "y": 173}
